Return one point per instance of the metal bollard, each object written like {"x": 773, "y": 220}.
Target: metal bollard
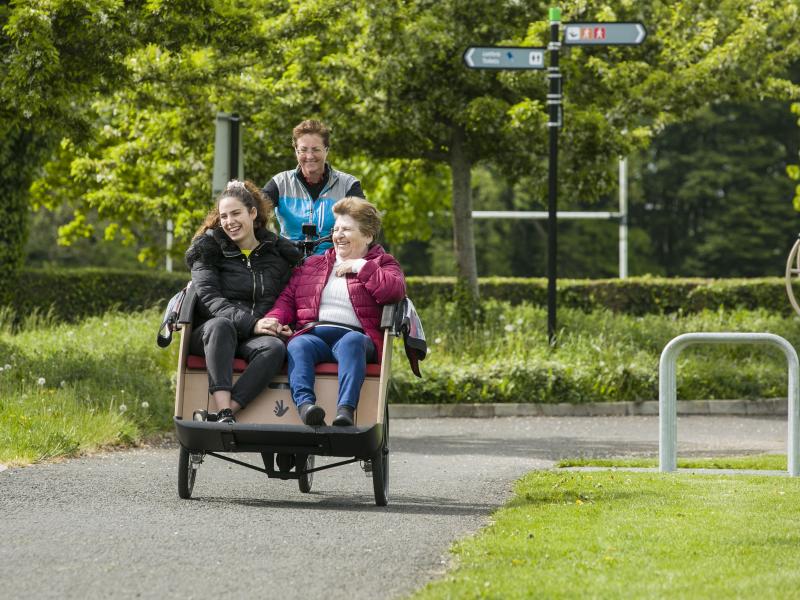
{"x": 668, "y": 392}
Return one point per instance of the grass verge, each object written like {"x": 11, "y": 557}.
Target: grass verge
{"x": 69, "y": 389}
{"x": 634, "y": 535}
{"x": 755, "y": 462}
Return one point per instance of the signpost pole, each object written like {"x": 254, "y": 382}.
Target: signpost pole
{"x": 233, "y": 153}
{"x": 554, "y": 106}
{"x": 522, "y": 57}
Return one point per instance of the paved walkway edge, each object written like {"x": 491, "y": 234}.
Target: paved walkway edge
{"x": 764, "y": 407}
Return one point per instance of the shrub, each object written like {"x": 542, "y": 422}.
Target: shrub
{"x": 72, "y": 294}
{"x": 75, "y": 293}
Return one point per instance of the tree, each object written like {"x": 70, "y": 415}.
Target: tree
{"x": 715, "y": 194}
{"x": 793, "y": 170}
{"x": 398, "y": 83}
{"x": 48, "y": 68}
{"x": 388, "y": 76}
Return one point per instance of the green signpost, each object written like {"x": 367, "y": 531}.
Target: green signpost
{"x": 500, "y": 57}
{"x": 504, "y": 57}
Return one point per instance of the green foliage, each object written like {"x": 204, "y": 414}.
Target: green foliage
{"x": 634, "y": 295}
{"x": 601, "y": 357}
{"x": 387, "y": 76}
{"x": 129, "y": 90}
{"x": 76, "y": 293}
{"x": 713, "y": 193}
{"x": 793, "y": 171}
{"x": 56, "y": 55}
{"x": 72, "y": 294}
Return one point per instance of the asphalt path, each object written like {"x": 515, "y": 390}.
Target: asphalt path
{"x": 112, "y": 525}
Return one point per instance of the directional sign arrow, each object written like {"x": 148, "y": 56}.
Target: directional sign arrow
{"x": 504, "y": 57}
{"x": 604, "y": 34}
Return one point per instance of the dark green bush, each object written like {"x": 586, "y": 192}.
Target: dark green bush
{"x": 635, "y": 295}
{"x": 75, "y": 293}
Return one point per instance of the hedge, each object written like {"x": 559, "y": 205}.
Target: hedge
{"x": 72, "y": 294}
{"x": 634, "y": 295}
{"x": 76, "y": 293}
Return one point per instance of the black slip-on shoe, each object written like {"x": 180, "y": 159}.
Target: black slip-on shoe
{"x": 344, "y": 416}
{"x": 226, "y": 416}
{"x": 311, "y": 414}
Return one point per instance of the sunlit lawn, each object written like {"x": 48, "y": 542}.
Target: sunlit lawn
{"x": 617, "y": 534}
{"x": 756, "y": 462}
{"x": 71, "y": 389}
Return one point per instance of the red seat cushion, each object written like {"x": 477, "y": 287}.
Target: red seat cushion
{"x": 239, "y": 365}
{"x": 199, "y": 362}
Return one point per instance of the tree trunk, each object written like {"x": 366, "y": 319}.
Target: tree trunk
{"x": 463, "y": 241}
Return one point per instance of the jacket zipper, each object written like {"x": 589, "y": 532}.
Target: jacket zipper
{"x": 252, "y": 273}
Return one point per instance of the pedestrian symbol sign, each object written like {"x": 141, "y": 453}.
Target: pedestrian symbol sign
{"x": 607, "y": 34}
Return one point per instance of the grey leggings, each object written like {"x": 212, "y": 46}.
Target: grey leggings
{"x": 216, "y": 339}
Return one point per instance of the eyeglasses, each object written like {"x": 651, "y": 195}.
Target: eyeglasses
{"x": 314, "y": 151}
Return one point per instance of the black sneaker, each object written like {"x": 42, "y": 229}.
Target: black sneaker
{"x": 344, "y": 416}
{"x": 311, "y": 414}
{"x": 225, "y": 416}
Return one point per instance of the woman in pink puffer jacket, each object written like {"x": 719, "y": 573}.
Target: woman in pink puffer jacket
{"x": 334, "y": 302}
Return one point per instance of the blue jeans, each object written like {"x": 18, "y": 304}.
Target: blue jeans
{"x": 350, "y": 349}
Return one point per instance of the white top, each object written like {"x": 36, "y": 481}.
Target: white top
{"x": 335, "y": 305}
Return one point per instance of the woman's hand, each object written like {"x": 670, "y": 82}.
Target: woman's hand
{"x": 351, "y": 265}
{"x": 285, "y": 331}
{"x": 268, "y": 326}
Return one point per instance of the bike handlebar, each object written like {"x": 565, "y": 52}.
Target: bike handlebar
{"x": 308, "y": 246}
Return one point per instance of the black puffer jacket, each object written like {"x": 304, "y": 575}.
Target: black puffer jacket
{"x": 229, "y": 284}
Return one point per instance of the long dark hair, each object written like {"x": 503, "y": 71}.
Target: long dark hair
{"x": 248, "y": 194}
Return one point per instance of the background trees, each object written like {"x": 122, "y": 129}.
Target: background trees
{"x": 128, "y": 135}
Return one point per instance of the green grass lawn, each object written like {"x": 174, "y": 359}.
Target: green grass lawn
{"x": 620, "y": 534}
{"x": 757, "y": 462}
{"x": 69, "y": 389}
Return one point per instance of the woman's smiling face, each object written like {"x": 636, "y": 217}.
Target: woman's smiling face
{"x": 311, "y": 155}
{"x": 237, "y": 221}
{"x": 348, "y": 239}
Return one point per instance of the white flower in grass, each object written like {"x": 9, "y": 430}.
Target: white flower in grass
{"x": 519, "y": 321}
{"x": 122, "y": 408}
{"x": 63, "y": 383}
{"x": 145, "y": 405}
{"x": 7, "y": 367}
{"x": 105, "y": 323}
{"x": 438, "y": 340}
{"x": 502, "y": 317}
{"x": 509, "y": 328}
{"x": 41, "y": 381}
{"x": 70, "y": 333}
